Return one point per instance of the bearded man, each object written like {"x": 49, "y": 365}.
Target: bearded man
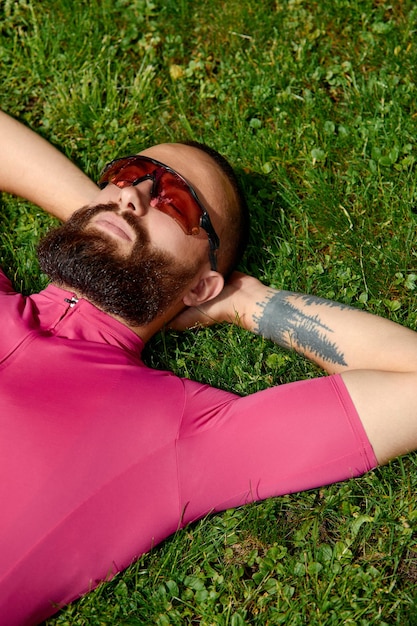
{"x": 102, "y": 457}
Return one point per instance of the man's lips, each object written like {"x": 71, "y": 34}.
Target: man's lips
{"x": 114, "y": 224}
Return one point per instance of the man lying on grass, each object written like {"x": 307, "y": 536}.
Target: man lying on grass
{"x": 102, "y": 457}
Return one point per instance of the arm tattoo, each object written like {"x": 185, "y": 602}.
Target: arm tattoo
{"x": 288, "y": 325}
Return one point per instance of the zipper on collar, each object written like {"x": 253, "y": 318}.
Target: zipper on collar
{"x": 71, "y": 301}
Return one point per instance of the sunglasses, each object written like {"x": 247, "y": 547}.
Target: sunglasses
{"x": 170, "y": 194}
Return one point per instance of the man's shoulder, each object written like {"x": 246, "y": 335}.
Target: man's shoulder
{"x": 5, "y": 283}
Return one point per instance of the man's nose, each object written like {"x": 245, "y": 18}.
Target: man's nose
{"x": 135, "y": 198}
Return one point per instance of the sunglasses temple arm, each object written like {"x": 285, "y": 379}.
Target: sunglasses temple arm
{"x": 213, "y": 255}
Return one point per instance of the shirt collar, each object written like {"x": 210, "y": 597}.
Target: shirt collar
{"x": 80, "y": 319}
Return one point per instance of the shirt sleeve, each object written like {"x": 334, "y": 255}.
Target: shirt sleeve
{"x": 233, "y": 450}
{"x": 16, "y": 318}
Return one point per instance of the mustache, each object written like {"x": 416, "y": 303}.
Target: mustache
{"x": 81, "y": 218}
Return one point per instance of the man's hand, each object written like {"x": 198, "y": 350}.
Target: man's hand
{"x": 235, "y": 305}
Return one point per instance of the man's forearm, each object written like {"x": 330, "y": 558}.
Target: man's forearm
{"x": 32, "y": 168}
{"x": 335, "y": 336}
{"x": 285, "y": 318}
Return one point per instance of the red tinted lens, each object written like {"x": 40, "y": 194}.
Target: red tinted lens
{"x": 172, "y": 196}
{"x": 124, "y": 172}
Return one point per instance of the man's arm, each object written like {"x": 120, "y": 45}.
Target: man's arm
{"x": 32, "y": 168}
{"x": 377, "y": 358}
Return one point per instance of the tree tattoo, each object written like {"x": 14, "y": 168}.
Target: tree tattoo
{"x": 288, "y": 325}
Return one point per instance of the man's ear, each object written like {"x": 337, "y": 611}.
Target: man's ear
{"x": 207, "y": 288}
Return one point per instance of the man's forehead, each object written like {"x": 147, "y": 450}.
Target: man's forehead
{"x": 197, "y": 167}
{"x": 188, "y": 161}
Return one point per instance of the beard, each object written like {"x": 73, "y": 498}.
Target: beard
{"x": 138, "y": 287}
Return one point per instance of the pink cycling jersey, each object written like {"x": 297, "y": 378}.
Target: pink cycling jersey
{"x": 102, "y": 457}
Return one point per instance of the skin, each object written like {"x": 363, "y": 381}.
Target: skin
{"x": 376, "y": 357}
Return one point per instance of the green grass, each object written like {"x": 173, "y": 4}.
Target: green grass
{"x": 315, "y": 104}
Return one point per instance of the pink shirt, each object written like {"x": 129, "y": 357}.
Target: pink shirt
{"x": 102, "y": 457}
